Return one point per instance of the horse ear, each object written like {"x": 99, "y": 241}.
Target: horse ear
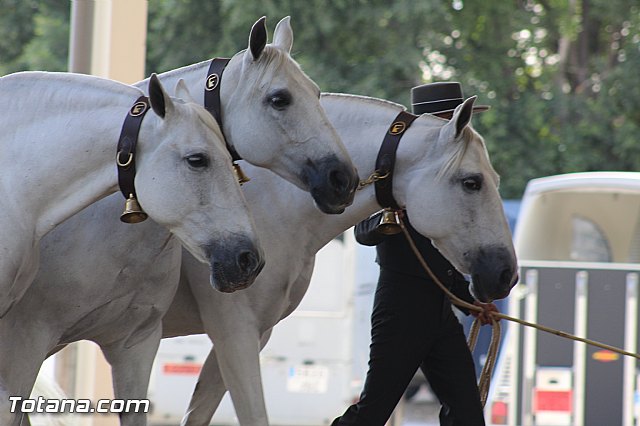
{"x": 182, "y": 91}
{"x": 283, "y": 34}
{"x": 160, "y": 102}
{"x": 258, "y": 38}
{"x": 462, "y": 115}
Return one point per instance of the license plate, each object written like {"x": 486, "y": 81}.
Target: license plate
{"x": 308, "y": 379}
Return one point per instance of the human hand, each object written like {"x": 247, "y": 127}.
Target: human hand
{"x": 485, "y": 316}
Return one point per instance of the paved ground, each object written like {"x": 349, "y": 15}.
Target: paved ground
{"x": 421, "y": 410}
{"x": 421, "y": 414}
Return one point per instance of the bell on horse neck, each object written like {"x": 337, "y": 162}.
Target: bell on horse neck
{"x": 389, "y": 223}
{"x": 133, "y": 213}
{"x": 242, "y": 178}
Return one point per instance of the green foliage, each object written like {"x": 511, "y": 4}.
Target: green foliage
{"x": 561, "y": 76}
{"x": 33, "y": 35}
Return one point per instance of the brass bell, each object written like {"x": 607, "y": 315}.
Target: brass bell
{"x": 242, "y": 178}
{"x": 133, "y": 213}
{"x": 389, "y": 223}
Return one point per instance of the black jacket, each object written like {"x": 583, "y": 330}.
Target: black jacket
{"x": 394, "y": 254}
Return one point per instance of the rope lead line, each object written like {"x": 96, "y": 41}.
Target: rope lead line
{"x": 487, "y": 370}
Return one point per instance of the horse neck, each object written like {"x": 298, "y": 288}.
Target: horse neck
{"x": 194, "y": 77}
{"x": 361, "y": 123}
{"x": 73, "y": 131}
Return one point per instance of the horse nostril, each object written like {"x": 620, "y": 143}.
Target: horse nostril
{"x": 505, "y": 278}
{"x": 247, "y": 261}
{"x": 339, "y": 180}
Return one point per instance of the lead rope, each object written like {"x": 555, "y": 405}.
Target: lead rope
{"x": 484, "y": 381}
{"x": 485, "y": 377}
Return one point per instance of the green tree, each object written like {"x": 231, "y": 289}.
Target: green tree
{"x": 560, "y": 75}
{"x": 34, "y": 35}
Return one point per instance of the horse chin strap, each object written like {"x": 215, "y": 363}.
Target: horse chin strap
{"x": 213, "y": 105}
{"x": 126, "y": 160}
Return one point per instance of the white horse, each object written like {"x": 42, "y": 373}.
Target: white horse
{"x": 444, "y": 179}
{"x": 443, "y": 176}
{"x": 59, "y": 138}
{"x": 123, "y": 311}
{"x": 184, "y": 181}
{"x": 263, "y": 88}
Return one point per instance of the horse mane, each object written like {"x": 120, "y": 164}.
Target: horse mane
{"x": 44, "y": 85}
{"x": 369, "y": 99}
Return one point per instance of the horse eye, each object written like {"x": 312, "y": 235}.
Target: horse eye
{"x": 197, "y": 160}
{"x": 279, "y": 100}
{"x": 472, "y": 184}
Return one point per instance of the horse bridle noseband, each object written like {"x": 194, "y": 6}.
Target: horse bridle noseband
{"x": 386, "y": 160}
{"x": 126, "y": 160}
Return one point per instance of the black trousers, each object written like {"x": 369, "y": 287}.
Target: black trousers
{"x": 413, "y": 326}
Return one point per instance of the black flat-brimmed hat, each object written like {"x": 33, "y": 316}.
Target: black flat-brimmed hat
{"x": 439, "y": 98}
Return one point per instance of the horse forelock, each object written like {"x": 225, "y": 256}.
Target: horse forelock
{"x": 208, "y": 120}
{"x": 274, "y": 60}
{"x": 459, "y": 150}
{"x": 271, "y": 59}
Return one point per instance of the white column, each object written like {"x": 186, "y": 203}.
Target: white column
{"x": 119, "y": 39}
{"x": 108, "y": 39}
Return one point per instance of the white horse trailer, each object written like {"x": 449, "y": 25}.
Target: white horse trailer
{"x": 314, "y": 364}
{"x": 578, "y": 244}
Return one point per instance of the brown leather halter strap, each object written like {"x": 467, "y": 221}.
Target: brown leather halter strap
{"x": 387, "y": 159}
{"x": 125, "y": 157}
{"x": 212, "y": 96}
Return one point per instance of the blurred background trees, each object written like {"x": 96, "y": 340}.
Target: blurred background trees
{"x": 561, "y": 75}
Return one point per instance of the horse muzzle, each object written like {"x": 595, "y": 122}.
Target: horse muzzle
{"x": 234, "y": 265}
{"x": 332, "y": 183}
{"x": 493, "y": 274}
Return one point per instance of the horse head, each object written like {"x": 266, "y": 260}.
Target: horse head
{"x": 452, "y": 197}
{"x": 274, "y": 109}
{"x": 185, "y": 182}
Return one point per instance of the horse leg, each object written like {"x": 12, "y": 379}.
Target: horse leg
{"x": 239, "y": 360}
{"x": 20, "y": 361}
{"x": 209, "y": 390}
{"x": 207, "y": 394}
{"x": 131, "y": 371}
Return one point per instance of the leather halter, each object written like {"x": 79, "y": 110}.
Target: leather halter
{"x": 125, "y": 157}
{"x": 212, "y": 96}
{"x": 385, "y": 162}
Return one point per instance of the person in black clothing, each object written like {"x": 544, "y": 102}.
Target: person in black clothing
{"x": 412, "y": 324}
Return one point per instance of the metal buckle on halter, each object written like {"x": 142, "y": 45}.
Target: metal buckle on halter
{"x": 125, "y": 164}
